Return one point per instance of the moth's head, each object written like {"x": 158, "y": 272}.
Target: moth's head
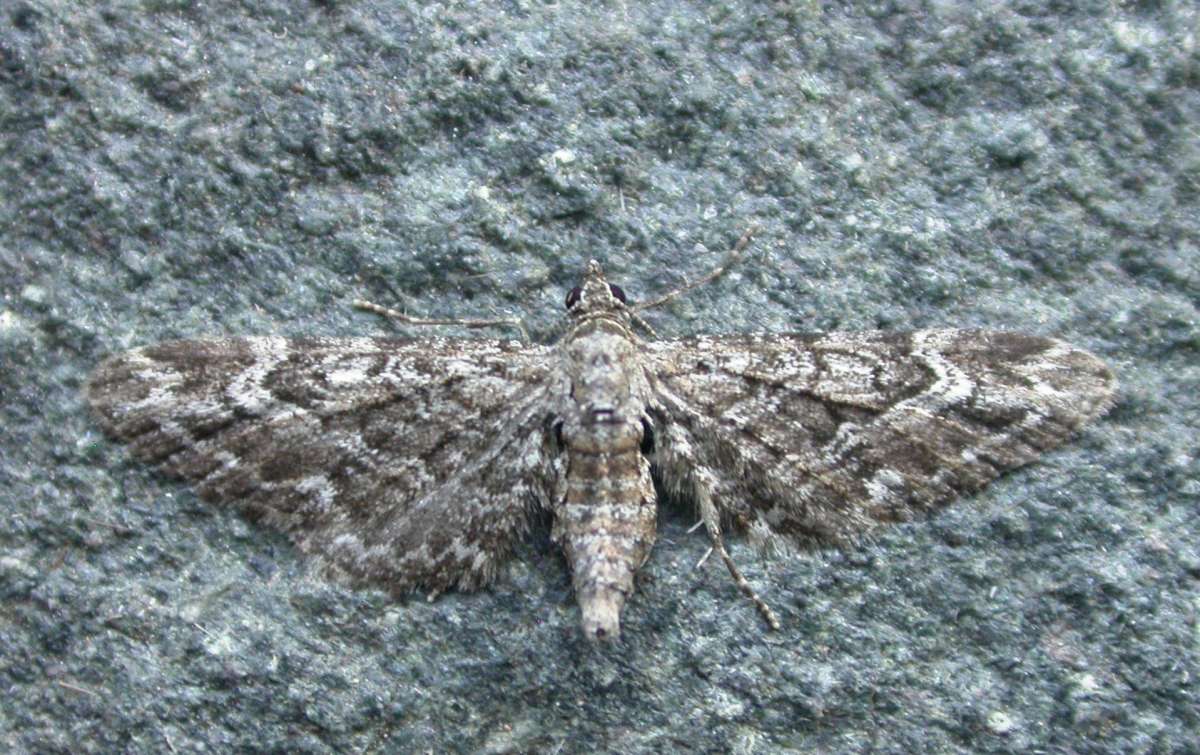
{"x": 596, "y": 296}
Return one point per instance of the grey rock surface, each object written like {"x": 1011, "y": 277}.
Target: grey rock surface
{"x": 186, "y": 169}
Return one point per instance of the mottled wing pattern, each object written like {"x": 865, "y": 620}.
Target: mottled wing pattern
{"x": 816, "y": 437}
{"x": 408, "y": 463}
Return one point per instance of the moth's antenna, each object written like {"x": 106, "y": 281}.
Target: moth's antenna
{"x": 393, "y": 314}
{"x": 730, "y": 258}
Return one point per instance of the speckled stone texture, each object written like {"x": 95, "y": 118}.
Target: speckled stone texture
{"x": 180, "y": 170}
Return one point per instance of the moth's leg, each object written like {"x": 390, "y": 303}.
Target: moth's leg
{"x": 726, "y": 263}
{"x": 712, "y": 524}
{"x": 393, "y": 314}
{"x": 674, "y": 455}
{"x": 640, "y": 322}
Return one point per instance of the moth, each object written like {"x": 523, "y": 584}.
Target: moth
{"x": 418, "y": 463}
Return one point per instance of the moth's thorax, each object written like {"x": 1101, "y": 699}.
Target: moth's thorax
{"x": 603, "y": 365}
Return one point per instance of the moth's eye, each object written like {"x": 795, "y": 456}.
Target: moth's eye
{"x": 618, "y": 292}
{"x": 574, "y": 296}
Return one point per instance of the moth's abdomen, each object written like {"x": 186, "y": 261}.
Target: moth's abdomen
{"x": 606, "y": 521}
